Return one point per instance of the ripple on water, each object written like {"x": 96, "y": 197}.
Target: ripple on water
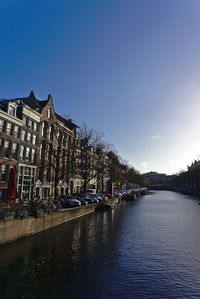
{"x": 149, "y": 248}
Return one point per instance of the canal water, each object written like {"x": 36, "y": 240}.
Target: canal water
{"x": 149, "y": 248}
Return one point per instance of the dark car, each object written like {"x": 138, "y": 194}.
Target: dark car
{"x": 96, "y": 197}
{"x": 70, "y": 202}
{"x": 82, "y": 200}
{"x": 103, "y": 196}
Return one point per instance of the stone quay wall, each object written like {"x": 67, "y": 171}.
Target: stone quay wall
{"x": 12, "y": 230}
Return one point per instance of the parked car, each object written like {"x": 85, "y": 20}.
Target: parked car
{"x": 96, "y": 196}
{"x": 70, "y": 202}
{"x": 103, "y": 196}
{"x": 94, "y": 199}
{"x": 82, "y": 200}
{"x": 89, "y": 199}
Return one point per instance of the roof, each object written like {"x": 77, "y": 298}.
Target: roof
{"x": 31, "y": 101}
{"x": 42, "y": 103}
{"x": 38, "y": 105}
{"x": 67, "y": 122}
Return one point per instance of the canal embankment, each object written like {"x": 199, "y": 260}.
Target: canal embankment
{"x": 194, "y": 192}
{"x": 12, "y": 230}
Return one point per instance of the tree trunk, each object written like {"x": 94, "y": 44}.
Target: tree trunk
{"x": 102, "y": 184}
{"x": 55, "y": 188}
{"x": 85, "y": 185}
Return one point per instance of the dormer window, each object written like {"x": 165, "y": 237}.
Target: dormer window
{"x": 11, "y": 110}
{"x": 49, "y": 113}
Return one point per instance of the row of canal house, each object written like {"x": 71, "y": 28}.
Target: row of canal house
{"x": 43, "y": 147}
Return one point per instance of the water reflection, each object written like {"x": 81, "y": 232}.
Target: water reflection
{"x": 149, "y": 248}
{"x": 51, "y": 261}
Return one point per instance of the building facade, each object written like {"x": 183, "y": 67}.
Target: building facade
{"x": 49, "y": 157}
{"x": 10, "y": 131}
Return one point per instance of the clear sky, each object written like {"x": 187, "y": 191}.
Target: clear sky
{"x": 127, "y": 68}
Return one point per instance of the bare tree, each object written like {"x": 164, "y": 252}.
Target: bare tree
{"x": 57, "y": 158}
{"x": 102, "y": 165}
{"x": 122, "y": 174}
{"x": 91, "y": 152}
{"x": 114, "y": 167}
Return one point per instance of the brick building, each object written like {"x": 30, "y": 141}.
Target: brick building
{"x": 18, "y": 139}
{"x": 44, "y": 148}
{"x": 29, "y": 133}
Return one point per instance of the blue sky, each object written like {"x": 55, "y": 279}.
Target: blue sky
{"x": 127, "y": 68}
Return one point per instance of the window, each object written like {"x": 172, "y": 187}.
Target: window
{"x": 21, "y": 154}
{"x": 16, "y": 131}
{"x": 1, "y": 125}
{"x": 27, "y": 171}
{"x": 14, "y": 150}
{"x": 30, "y": 123}
{"x": 7, "y": 149}
{"x": 9, "y": 128}
{"x": 3, "y": 168}
{"x": 43, "y": 126}
{"x": 52, "y": 132}
{"x": 49, "y": 132}
{"x": 28, "y": 137}
{"x": 34, "y": 126}
{"x": 11, "y": 110}
{"x": 40, "y": 151}
{"x": 24, "y": 120}
{"x": 27, "y": 153}
{"x": 23, "y": 135}
{"x": 4, "y": 172}
{"x": 33, "y": 155}
{"x": 57, "y": 135}
{"x": 49, "y": 113}
{"x": 34, "y": 139}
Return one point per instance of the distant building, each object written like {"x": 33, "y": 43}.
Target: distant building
{"x": 156, "y": 178}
